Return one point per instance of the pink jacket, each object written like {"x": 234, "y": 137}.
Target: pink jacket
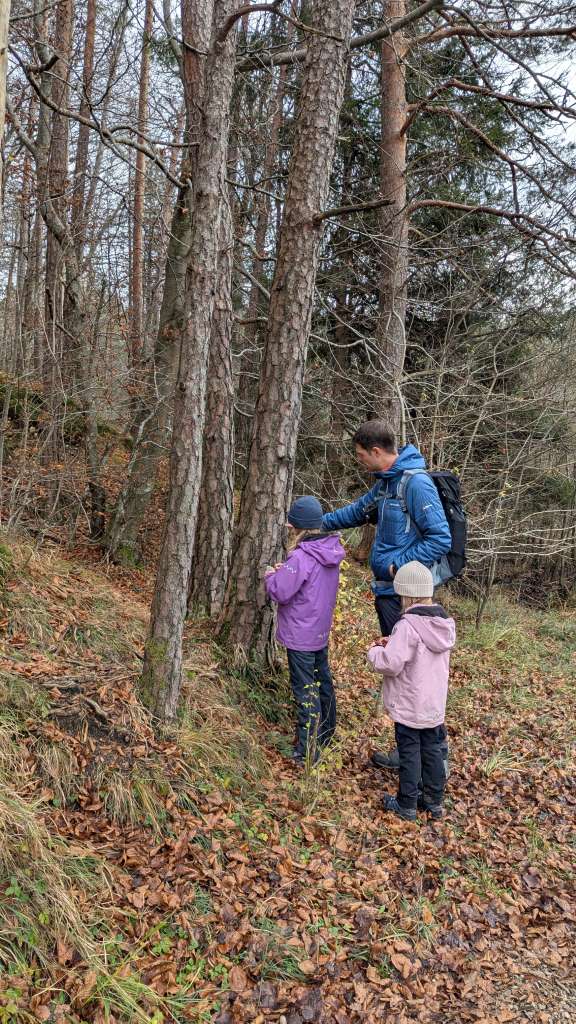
{"x": 415, "y": 664}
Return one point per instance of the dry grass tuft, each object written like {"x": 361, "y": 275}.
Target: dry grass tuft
{"x": 48, "y": 893}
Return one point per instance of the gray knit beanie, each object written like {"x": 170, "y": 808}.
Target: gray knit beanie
{"x": 414, "y": 580}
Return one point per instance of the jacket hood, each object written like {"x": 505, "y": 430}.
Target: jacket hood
{"x": 326, "y": 550}
{"x": 408, "y": 458}
{"x": 434, "y": 627}
{"x": 431, "y": 610}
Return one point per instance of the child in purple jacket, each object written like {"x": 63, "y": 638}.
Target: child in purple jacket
{"x": 305, "y": 588}
{"x": 415, "y": 662}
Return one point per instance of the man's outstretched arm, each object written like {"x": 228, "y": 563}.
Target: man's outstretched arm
{"x": 351, "y": 515}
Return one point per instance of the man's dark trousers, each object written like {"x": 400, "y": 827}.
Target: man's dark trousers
{"x": 388, "y": 609}
{"x": 421, "y": 757}
{"x": 313, "y": 690}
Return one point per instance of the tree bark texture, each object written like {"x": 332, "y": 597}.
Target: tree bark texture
{"x": 254, "y": 330}
{"x": 4, "y": 23}
{"x": 391, "y": 327}
{"x": 213, "y": 547}
{"x": 151, "y": 422}
{"x": 78, "y": 217}
{"x": 137, "y": 291}
{"x": 161, "y": 678}
{"x": 57, "y": 357}
{"x": 267, "y": 491}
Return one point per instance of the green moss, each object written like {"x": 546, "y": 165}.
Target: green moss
{"x": 6, "y": 564}
{"x": 127, "y": 555}
{"x": 151, "y": 681}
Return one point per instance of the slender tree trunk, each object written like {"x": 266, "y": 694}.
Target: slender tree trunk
{"x": 213, "y": 547}
{"x": 20, "y": 338}
{"x": 4, "y": 23}
{"x": 11, "y": 354}
{"x": 340, "y": 385}
{"x": 152, "y": 420}
{"x": 161, "y": 678}
{"x": 136, "y": 310}
{"x": 33, "y": 306}
{"x": 58, "y": 361}
{"x": 254, "y": 330}
{"x": 78, "y": 216}
{"x": 267, "y": 492}
{"x": 391, "y": 328}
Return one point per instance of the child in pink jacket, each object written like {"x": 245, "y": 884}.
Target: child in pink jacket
{"x": 415, "y": 662}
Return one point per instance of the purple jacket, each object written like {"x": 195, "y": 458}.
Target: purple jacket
{"x": 305, "y": 588}
{"x": 415, "y": 664}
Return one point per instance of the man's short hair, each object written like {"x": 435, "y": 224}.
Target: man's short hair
{"x": 375, "y": 434}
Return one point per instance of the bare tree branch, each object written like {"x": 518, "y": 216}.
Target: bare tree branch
{"x": 267, "y": 60}
{"x": 341, "y": 211}
{"x": 496, "y": 211}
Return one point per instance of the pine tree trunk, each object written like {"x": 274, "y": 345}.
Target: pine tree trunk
{"x": 161, "y": 677}
{"x": 151, "y": 422}
{"x": 391, "y": 328}
{"x": 267, "y": 492}
{"x": 213, "y": 547}
{"x": 254, "y": 331}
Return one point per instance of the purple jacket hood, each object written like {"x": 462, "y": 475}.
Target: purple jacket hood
{"x": 326, "y": 549}
{"x": 305, "y": 589}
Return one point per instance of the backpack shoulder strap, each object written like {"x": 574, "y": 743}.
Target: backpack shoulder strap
{"x": 376, "y": 499}
{"x": 401, "y": 493}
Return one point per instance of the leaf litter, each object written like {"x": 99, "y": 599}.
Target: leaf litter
{"x": 214, "y": 883}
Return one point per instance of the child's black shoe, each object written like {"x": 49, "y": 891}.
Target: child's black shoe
{"x": 406, "y": 813}
{"x": 389, "y": 762}
{"x": 436, "y": 811}
{"x": 302, "y": 760}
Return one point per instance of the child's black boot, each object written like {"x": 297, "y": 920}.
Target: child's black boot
{"x": 406, "y": 813}
{"x": 425, "y": 803}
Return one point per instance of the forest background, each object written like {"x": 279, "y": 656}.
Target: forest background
{"x": 231, "y": 233}
{"x": 234, "y": 233}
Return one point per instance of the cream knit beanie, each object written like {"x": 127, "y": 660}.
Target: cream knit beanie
{"x": 414, "y": 580}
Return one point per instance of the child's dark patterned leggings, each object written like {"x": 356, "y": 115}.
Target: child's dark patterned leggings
{"x": 313, "y": 691}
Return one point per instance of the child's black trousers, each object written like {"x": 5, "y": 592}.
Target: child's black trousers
{"x": 421, "y": 757}
{"x": 313, "y": 691}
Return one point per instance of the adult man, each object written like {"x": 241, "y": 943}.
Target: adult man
{"x": 415, "y": 530}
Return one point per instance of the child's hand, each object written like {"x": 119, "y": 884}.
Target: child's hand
{"x": 270, "y": 569}
{"x": 381, "y": 642}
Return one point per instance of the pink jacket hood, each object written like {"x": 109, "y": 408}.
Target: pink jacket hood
{"x": 415, "y": 664}
{"x": 437, "y": 632}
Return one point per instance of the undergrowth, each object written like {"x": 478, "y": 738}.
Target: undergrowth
{"x": 75, "y": 741}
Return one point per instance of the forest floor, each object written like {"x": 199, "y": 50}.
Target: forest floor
{"x": 202, "y": 878}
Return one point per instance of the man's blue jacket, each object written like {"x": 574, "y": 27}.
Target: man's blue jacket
{"x": 422, "y": 535}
